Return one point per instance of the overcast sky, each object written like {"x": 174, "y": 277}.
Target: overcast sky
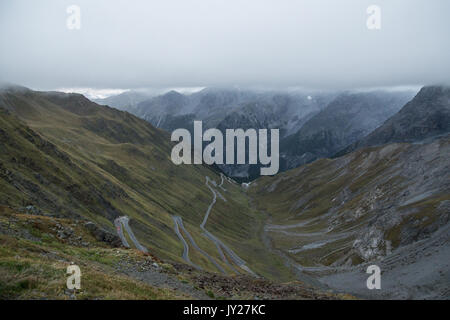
{"x": 197, "y": 43}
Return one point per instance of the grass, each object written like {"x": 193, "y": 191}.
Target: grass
{"x": 73, "y": 158}
{"x": 329, "y": 193}
{"x": 424, "y": 212}
{"x": 37, "y": 270}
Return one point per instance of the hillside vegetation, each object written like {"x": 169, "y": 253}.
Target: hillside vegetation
{"x": 388, "y": 205}
{"x": 68, "y": 157}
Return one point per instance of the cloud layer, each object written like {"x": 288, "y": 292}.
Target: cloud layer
{"x": 189, "y": 43}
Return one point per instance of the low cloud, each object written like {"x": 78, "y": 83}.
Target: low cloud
{"x": 197, "y": 43}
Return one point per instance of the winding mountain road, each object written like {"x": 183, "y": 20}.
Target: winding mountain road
{"x": 221, "y": 247}
{"x": 221, "y": 183}
{"x": 123, "y": 221}
{"x": 219, "y": 244}
{"x": 119, "y": 229}
{"x": 180, "y": 236}
{"x": 179, "y": 222}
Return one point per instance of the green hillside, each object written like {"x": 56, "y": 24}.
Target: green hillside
{"x": 69, "y": 157}
{"x": 342, "y": 212}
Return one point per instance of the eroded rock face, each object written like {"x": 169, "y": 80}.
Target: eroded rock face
{"x": 386, "y": 205}
{"x": 102, "y": 235}
{"x": 372, "y": 245}
{"x": 425, "y": 117}
{"x": 345, "y": 120}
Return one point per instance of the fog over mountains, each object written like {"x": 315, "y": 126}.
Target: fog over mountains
{"x": 93, "y": 178}
{"x": 425, "y": 117}
{"x": 312, "y": 124}
{"x": 346, "y": 119}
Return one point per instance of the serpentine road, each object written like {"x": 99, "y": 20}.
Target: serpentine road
{"x": 179, "y": 225}
{"x": 180, "y": 236}
{"x": 123, "y": 221}
{"x": 219, "y": 244}
{"x": 119, "y": 229}
{"x": 221, "y": 182}
{"x": 221, "y": 247}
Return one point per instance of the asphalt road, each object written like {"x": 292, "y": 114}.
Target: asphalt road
{"x": 194, "y": 244}
{"x": 119, "y": 229}
{"x": 180, "y": 236}
{"x": 123, "y": 221}
{"x": 221, "y": 247}
{"x": 219, "y": 244}
{"x": 221, "y": 183}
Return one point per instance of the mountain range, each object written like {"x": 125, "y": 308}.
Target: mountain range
{"x": 82, "y": 182}
{"x": 312, "y": 124}
{"x": 425, "y": 117}
{"x": 72, "y": 158}
{"x": 124, "y": 101}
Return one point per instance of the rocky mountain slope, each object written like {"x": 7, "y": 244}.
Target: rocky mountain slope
{"x": 387, "y": 205}
{"x": 218, "y": 107}
{"x": 423, "y": 118}
{"x": 312, "y": 125}
{"x": 224, "y": 108}
{"x": 346, "y": 119}
{"x": 125, "y": 101}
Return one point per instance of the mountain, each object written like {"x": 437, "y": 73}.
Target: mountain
{"x": 66, "y": 157}
{"x": 205, "y": 105}
{"x": 220, "y": 107}
{"x": 387, "y": 206}
{"x": 125, "y": 101}
{"x": 312, "y": 125}
{"x": 346, "y": 119}
{"x": 163, "y": 111}
{"x": 425, "y": 117}
{"x": 225, "y": 108}
{"x": 81, "y": 182}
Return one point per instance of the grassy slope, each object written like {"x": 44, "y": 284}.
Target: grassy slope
{"x": 69, "y": 156}
{"x": 34, "y": 258}
{"x": 33, "y": 262}
{"x": 338, "y": 201}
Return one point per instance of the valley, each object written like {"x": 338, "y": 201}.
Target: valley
{"x": 333, "y": 218}
{"x": 184, "y": 229}
{"x": 233, "y": 151}
{"x": 67, "y": 157}
{"x": 311, "y": 124}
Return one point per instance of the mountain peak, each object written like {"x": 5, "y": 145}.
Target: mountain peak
{"x": 426, "y": 116}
